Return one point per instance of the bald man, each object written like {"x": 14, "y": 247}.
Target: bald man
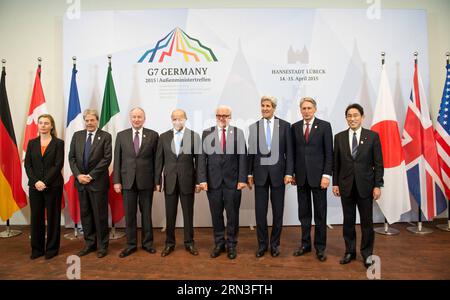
{"x": 176, "y": 160}
{"x": 134, "y": 163}
{"x": 223, "y": 174}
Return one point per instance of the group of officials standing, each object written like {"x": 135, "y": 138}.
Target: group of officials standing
{"x": 180, "y": 163}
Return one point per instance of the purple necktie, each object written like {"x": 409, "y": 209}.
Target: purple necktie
{"x": 136, "y": 142}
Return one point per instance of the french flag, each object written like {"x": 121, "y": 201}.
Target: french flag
{"x": 74, "y": 123}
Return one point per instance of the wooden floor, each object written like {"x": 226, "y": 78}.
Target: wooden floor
{"x": 405, "y": 256}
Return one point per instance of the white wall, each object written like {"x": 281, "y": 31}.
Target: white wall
{"x": 29, "y": 29}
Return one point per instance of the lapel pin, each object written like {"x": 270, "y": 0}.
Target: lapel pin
{"x": 315, "y": 127}
{"x": 143, "y": 135}
{"x": 362, "y": 142}
{"x": 98, "y": 138}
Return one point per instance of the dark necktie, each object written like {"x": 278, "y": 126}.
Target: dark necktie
{"x": 87, "y": 151}
{"x": 354, "y": 145}
{"x": 136, "y": 142}
{"x": 307, "y": 132}
{"x": 224, "y": 140}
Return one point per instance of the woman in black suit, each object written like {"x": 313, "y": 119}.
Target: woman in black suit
{"x": 44, "y": 160}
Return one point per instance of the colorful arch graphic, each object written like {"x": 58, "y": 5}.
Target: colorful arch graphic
{"x": 178, "y": 42}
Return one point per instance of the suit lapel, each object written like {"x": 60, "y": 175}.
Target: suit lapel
{"x": 230, "y": 140}
{"x": 362, "y": 141}
{"x": 50, "y": 147}
{"x": 97, "y": 138}
{"x": 185, "y": 142}
{"x": 144, "y": 141}
{"x": 313, "y": 129}
{"x": 81, "y": 145}
{"x": 262, "y": 135}
{"x": 347, "y": 145}
{"x": 302, "y": 135}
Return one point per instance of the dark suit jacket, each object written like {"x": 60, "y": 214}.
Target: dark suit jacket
{"x": 99, "y": 159}
{"x": 279, "y": 161}
{"x": 367, "y": 167}
{"x": 128, "y": 166}
{"x": 315, "y": 158}
{"x": 182, "y": 167}
{"x": 215, "y": 167}
{"x": 46, "y": 168}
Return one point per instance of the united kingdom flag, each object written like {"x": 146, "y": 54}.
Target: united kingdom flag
{"x": 421, "y": 156}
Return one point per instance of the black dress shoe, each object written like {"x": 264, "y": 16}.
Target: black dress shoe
{"x": 275, "y": 251}
{"x": 261, "y": 251}
{"x": 50, "y": 255}
{"x": 167, "y": 250}
{"x": 102, "y": 253}
{"x": 348, "y": 257}
{"x": 301, "y": 251}
{"x": 232, "y": 253}
{"x": 191, "y": 249}
{"x": 321, "y": 256}
{"x": 216, "y": 251}
{"x": 34, "y": 256}
{"x": 127, "y": 251}
{"x": 86, "y": 251}
{"x": 149, "y": 249}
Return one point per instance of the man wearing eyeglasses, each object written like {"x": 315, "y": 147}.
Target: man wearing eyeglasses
{"x": 357, "y": 179}
{"x": 223, "y": 174}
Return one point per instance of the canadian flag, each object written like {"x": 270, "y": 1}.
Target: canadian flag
{"x": 37, "y": 108}
{"x": 394, "y": 200}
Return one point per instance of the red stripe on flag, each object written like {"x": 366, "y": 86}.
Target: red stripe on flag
{"x": 72, "y": 199}
{"x": 11, "y": 166}
{"x": 430, "y": 196}
{"x": 116, "y": 203}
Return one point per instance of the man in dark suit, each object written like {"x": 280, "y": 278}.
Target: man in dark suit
{"x": 223, "y": 174}
{"x": 89, "y": 158}
{"x": 134, "y": 165}
{"x": 271, "y": 165}
{"x": 313, "y": 156}
{"x": 357, "y": 179}
{"x": 177, "y": 157}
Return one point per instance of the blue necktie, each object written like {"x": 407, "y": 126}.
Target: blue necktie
{"x": 87, "y": 150}
{"x": 178, "y": 139}
{"x": 354, "y": 145}
{"x": 268, "y": 135}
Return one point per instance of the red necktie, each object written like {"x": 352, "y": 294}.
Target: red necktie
{"x": 307, "y": 132}
{"x": 224, "y": 140}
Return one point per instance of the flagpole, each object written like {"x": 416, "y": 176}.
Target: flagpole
{"x": 8, "y": 232}
{"x": 113, "y": 234}
{"x": 446, "y": 227}
{"x": 76, "y": 233}
{"x": 418, "y": 229}
{"x": 386, "y": 230}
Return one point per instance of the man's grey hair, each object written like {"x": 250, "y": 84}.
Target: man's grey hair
{"x": 308, "y": 99}
{"x": 224, "y": 107}
{"x": 137, "y": 108}
{"x": 272, "y": 100}
{"x": 90, "y": 111}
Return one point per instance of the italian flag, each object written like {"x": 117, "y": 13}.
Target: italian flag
{"x": 110, "y": 122}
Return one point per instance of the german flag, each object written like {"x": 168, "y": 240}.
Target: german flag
{"x": 12, "y": 196}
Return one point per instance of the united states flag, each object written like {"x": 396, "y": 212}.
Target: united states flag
{"x": 442, "y": 135}
{"x": 421, "y": 155}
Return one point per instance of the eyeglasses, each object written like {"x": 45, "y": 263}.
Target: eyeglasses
{"x": 223, "y": 116}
